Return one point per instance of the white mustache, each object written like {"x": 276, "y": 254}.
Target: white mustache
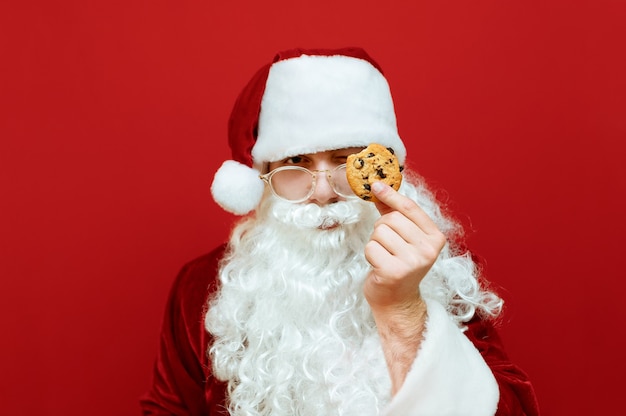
{"x": 315, "y": 216}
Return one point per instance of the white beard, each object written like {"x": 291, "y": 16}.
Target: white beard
{"x": 293, "y": 334}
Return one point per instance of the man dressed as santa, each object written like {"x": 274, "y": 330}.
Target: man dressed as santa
{"x": 322, "y": 303}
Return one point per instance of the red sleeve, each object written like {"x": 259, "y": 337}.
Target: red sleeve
{"x": 517, "y": 396}
{"x": 182, "y": 383}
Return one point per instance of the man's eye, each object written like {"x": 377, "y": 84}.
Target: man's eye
{"x": 294, "y": 160}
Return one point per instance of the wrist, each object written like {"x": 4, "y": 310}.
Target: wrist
{"x": 401, "y": 329}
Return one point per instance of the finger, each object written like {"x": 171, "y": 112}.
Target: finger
{"x": 420, "y": 254}
{"x": 403, "y": 226}
{"x": 389, "y": 238}
{"x": 391, "y": 200}
{"x": 377, "y": 255}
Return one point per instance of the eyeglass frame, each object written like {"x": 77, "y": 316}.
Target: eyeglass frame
{"x": 267, "y": 178}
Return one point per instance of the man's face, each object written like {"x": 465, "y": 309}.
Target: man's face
{"x": 324, "y": 183}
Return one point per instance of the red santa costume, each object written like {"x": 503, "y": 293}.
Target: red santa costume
{"x": 275, "y": 323}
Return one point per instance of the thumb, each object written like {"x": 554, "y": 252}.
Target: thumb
{"x": 384, "y": 197}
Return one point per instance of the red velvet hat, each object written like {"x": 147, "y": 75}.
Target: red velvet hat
{"x": 304, "y": 101}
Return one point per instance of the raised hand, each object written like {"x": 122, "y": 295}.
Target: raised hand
{"x": 403, "y": 247}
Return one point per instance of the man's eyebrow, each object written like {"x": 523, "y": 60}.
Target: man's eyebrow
{"x": 346, "y": 152}
{"x": 303, "y": 155}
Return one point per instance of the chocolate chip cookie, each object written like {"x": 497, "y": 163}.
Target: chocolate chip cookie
{"x": 374, "y": 163}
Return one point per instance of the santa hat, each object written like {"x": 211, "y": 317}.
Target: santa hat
{"x": 305, "y": 101}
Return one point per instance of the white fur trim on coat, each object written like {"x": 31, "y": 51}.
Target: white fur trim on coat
{"x": 318, "y": 103}
{"x": 449, "y": 376}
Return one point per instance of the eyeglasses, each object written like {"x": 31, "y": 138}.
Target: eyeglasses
{"x": 297, "y": 184}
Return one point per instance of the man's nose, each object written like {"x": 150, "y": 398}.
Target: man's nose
{"x": 323, "y": 193}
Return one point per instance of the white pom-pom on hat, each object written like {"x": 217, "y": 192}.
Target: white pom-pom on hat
{"x": 237, "y": 188}
{"x": 305, "y": 101}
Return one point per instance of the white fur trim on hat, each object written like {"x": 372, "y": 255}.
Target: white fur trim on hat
{"x": 318, "y": 103}
{"x": 237, "y": 188}
{"x": 449, "y": 377}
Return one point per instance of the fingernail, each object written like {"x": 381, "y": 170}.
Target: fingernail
{"x": 378, "y": 187}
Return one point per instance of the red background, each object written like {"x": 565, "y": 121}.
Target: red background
{"x": 113, "y": 122}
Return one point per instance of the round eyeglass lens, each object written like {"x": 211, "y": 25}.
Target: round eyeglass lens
{"x": 292, "y": 184}
{"x": 340, "y": 181}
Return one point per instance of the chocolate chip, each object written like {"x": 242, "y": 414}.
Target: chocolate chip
{"x": 358, "y": 163}
{"x": 367, "y": 186}
{"x": 381, "y": 174}
{"x": 391, "y": 150}
{"x": 370, "y": 155}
